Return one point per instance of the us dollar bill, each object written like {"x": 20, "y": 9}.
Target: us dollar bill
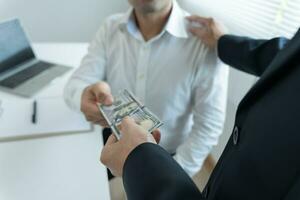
{"x": 126, "y": 104}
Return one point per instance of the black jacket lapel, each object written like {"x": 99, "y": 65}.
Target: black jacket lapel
{"x": 275, "y": 67}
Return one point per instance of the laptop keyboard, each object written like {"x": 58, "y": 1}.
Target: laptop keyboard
{"x": 24, "y": 75}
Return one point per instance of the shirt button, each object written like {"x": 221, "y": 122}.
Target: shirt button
{"x": 235, "y": 135}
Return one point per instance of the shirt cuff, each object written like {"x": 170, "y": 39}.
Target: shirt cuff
{"x": 77, "y": 96}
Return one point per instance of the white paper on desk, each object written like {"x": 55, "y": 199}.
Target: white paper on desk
{"x": 53, "y": 116}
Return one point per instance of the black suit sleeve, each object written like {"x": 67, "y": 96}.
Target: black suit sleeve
{"x": 249, "y": 55}
{"x": 294, "y": 192}
{"x": 151, "y": 173}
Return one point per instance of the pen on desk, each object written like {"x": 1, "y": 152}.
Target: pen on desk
{"x": 34, "y": 113}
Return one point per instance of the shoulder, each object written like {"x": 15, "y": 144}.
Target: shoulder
{"x": 111, "y": 23}
{"x": 210, "y": 69}
{"x": 115, "y": 20}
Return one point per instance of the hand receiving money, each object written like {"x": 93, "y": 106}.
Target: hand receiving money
{"x": 92, "y": 96}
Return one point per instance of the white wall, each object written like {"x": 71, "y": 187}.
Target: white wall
{"x": 61, "y": 20}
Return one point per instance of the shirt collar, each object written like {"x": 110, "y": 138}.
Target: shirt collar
{"x": 176, "y": 24}
{"x": 127, "y": 19}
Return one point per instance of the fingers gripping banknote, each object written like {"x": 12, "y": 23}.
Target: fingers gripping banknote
{"x": 126, "y": 104}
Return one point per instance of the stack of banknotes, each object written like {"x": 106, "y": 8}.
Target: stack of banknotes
{"x": 126, "y": 104}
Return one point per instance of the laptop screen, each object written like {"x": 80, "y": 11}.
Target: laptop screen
{"x": 14, "y": 45}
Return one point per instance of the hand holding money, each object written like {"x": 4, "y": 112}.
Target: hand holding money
{"x": 115, "y": 152}
{"x": 92, "y": 96}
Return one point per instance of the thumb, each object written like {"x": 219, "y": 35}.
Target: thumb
{"x": 103, "y": 93}
{"x": 108, "y": 100}
{"x": 104, "y": 98}
{"x": 127, "y": 124}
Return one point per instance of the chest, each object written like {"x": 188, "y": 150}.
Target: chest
{"x": 161, "y": 68}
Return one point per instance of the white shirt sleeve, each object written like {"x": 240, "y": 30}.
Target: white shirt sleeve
{"x": 209, "y": 110}
{"x": 91, "y": 70}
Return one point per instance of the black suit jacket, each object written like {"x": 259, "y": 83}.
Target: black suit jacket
{"x": 261, "y": 160}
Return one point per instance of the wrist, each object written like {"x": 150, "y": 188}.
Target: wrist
{"x": 218, "y": 38}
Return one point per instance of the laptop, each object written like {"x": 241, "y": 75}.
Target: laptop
{"x": 21, "y": 72}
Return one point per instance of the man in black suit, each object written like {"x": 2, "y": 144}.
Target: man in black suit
{"x": 261, "y": 160}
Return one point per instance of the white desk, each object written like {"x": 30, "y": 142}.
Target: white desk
{"x": 54, "y": 168}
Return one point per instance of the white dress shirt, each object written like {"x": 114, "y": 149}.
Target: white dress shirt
{"x": 174, "y": 74}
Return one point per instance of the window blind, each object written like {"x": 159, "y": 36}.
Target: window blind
{"x": 255, "y": 18}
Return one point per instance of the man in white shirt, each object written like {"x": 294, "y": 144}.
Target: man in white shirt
{"x": 149, "y": 51}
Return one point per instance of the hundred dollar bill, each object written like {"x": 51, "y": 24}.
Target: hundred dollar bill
{"x": 125, "y": 104}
